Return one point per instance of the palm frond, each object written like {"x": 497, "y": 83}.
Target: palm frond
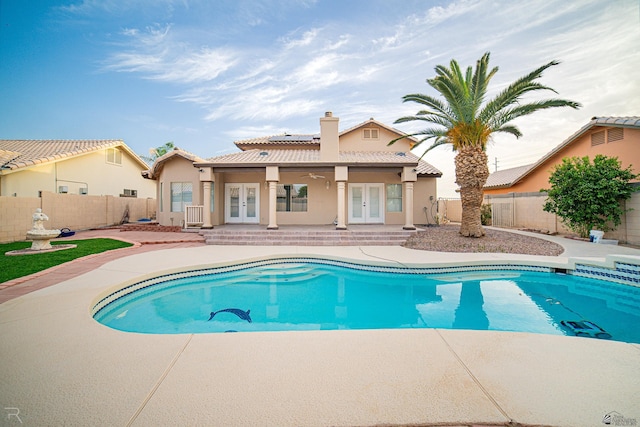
{"x": 510, "y": 129}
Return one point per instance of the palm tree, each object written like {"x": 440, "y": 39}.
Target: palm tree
{"x": 467, "y": 122}
{"x": 154, "y": 153}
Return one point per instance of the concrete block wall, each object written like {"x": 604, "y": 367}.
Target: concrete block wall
{"x": 528, "y": 213}
{"x": 77, "y": 212}
{"x": 16, "y": 217}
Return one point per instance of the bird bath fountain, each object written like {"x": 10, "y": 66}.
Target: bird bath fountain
{"x": 40, "y": 237}
{"x": 38, "y": 234}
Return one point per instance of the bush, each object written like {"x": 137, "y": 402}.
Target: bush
{"x": 485, "y": 214}
{"x": 587, "y": 195}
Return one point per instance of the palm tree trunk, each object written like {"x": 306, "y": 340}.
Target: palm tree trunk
{"x": 471, "y": 175}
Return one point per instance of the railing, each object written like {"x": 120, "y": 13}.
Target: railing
{"x": 193, "y": 216}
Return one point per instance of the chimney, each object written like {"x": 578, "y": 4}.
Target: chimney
{"x": 329, "y": 146}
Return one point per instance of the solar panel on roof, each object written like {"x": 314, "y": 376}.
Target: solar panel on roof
{"x": 291, "y": 138}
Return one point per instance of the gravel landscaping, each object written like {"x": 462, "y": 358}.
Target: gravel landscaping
{"x": 445, "y": 238}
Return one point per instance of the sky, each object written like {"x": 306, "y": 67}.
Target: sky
{"x": 203, "y": 74}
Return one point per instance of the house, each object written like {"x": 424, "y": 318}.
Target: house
{"x": 610, "y": 136}
{"x": 86, "y": 167}
{"x": 334, "y": 177}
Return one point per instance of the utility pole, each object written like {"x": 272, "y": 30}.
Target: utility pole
{"x": 495, "y": 163}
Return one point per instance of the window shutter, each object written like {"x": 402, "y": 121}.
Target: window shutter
{"x": 597, "y": 138}
{"x": 615, "y": 134}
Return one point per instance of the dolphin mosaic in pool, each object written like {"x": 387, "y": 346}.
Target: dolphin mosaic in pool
{"x": 244, "y": 315}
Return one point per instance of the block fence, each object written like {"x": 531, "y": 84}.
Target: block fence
{"x": 524, "y": 210}
{"x": 74, "y": 211}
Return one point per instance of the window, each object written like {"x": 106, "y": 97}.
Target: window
{"x": 114, "y": 156}
{"x": 161, "y": 197}
{"x": 213, "y": 192}
{"x": 291, "y": 198}
{"x": 181, "y": 195}
{"x": 394, "y": 197}
{"x": 370, "y": 133}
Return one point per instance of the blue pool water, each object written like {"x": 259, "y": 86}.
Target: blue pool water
{"x": 286, "y": 296}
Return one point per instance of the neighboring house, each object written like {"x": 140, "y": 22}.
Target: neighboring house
{"x": 94, "y": 167}
{"x": 341, "y": 178}
{"x": 610, "y": 136}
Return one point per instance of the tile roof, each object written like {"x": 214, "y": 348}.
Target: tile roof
{"x": 158, "y": 164}
{"x": 285, "y": 157}
{"x": 426, "y": 169}
{"x": 630, "y": 121}
{"x": 308, "y": 139}
{"x": 506, "y": 177}
{"x": 21, "y": 153}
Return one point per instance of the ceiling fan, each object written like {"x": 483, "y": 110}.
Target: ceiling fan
{"x": 312, "y": 176}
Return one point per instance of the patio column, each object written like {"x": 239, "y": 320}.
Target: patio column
{"x": 206, "y": 201}
{"x": 408, "y": 214}
{"x": 273, "y": 224}
{"x": 206, "y": 178}
{"x": 341, "y": 175}
{"x": 408, "y": 177}
{"x": 272, "y": 177}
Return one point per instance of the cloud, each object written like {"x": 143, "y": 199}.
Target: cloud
{"x": 277, "y": 69}
{"x": 154, "y": 53}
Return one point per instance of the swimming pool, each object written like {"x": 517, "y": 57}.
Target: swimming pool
{"x": 313, "y": 294}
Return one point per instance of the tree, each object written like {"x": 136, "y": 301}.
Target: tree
{"x": 467, "y": 122}
{"x": 587, "y": 195}
{"x": 154, "y": 153}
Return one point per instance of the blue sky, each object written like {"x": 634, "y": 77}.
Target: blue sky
{"x": 205, "y": 73}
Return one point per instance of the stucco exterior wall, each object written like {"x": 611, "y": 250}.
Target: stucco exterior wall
{"x": 89, "y": 171}
{"x": 177, "y": 170}
{"x": 355, "y": 141}
{"x": 322, "y": 201}
{"x": 68, "y": 210}
{"x": 626, "y": 150}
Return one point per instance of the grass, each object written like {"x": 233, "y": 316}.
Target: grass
{"x": 12, "y": 267}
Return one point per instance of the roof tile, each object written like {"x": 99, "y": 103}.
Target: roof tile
{"x": 33, "y": 152}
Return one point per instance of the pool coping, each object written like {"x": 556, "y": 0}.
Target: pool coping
{"x": 62, "y": 367}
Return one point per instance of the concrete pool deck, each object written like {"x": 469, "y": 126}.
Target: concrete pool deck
{"x": 60, "y": 367}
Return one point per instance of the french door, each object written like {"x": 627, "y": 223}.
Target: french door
{"x": 366, "y": 203}
{"x": 242, "y": 203}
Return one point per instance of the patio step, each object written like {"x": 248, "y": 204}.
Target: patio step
{"x": 306, "y": 237}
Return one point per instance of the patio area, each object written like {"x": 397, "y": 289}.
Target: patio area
{"x": 60, "y": 367}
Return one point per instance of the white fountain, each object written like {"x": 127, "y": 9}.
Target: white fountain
{"x": 41, "y": 237}
{"x": 38, "y": 234}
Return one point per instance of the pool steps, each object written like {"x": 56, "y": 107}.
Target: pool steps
{"x": 307, "y": 237}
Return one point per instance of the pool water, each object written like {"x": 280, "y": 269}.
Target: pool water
{"x": 309, "y": 296}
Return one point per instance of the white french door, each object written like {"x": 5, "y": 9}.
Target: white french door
{"x": 366, "y": 203}
{"x": 242, "y": 203}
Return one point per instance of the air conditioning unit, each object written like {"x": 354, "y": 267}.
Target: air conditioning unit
{"x": 63, "y": 189}
{"x": 83, "y": 191}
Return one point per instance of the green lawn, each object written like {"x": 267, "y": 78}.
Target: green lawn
{"x": 15, "y": 266}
